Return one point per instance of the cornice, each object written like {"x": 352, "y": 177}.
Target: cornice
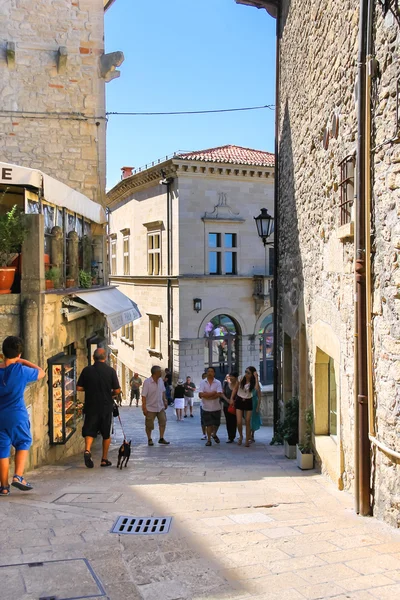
{"x": 176, "y": 167}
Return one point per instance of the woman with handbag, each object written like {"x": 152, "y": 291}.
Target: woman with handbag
{"x": 229, "y": 406}
{"x": 243, "y": 396}
{"x": 255, "y": 422}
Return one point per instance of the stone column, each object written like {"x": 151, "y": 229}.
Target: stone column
{"x": 57, "y": 253}
{"x": 73, "y": 256}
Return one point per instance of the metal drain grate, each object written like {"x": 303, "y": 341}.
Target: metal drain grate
{"x": 142, "y": 525}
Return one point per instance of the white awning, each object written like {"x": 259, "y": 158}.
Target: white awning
{"x": 54, "y": 191}
{"x": 118, "y": 308}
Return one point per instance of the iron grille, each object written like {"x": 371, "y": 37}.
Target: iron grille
{"x": 142, "y": 525}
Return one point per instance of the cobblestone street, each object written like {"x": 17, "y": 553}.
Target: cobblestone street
{"x": 247, "y": 523}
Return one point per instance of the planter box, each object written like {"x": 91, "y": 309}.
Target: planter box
{"x": 304, "y": 461}
{"x": 290, "y": 451}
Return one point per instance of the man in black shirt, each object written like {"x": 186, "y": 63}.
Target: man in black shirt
{"x": 100, "y": 383}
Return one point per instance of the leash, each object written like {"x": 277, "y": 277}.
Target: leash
{"x": 120, "y": 422}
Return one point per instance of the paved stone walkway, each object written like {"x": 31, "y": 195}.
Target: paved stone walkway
{"x": 247, "y": 524}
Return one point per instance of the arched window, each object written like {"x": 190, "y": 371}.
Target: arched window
{"x": 221, "y": 345}
{"x": 266, "y": 340}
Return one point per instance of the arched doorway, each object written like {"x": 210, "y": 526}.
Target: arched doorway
{"x": 266, "y": 341}
{"x": 221, "y": 345}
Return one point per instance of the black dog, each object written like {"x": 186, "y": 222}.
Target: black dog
{"x": 124, "y": 453}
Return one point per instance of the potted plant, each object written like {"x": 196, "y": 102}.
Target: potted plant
{"x": 85, "y": 279}
{"x": 12, "y": 235}
{"x": 304, "y": 451}
{"x": 51, "y": 275}
{"x": 70, "y": 282}
{"x": 291, "y": 427}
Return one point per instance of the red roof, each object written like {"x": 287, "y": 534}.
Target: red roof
{"x": 233, "y": 155}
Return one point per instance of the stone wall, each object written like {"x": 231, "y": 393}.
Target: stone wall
{"x": 318, "y": 66}
{"x": 386, "y": 271}
{"x": 52, "y": 116}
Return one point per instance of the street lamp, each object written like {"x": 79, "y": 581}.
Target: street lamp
{"x": 265, "y": 227}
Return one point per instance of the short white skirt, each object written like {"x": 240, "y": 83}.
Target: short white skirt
{"x": 179, "y": 402}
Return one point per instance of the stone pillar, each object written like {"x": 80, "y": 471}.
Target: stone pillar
{"x": 30, "y": 330}
{"x": 32, "y": 267}
{"x": 73, "y": 256}
{"x": 57, "y": 253}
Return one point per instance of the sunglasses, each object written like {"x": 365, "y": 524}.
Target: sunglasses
{"x": 248, "y": 372}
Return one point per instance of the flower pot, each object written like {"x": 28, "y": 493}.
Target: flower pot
{"x": 304, "y": 461}
{"x": 69, "y": 282}
{"x": 7, "y": 275}
{"x": 47, "y": 259}
{"x": 290, "y": 451}
{"x": 49, "y": 284}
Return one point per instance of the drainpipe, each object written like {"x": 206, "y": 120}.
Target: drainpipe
{"x": 276, "y": 354}
{"x": 360, "y": 249}
{"x": 167, "y": 181}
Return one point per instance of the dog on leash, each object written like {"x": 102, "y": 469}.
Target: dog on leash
{"x": 124, "y": 453}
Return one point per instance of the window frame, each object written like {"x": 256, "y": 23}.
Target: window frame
{"x": 127, "y": 333}
{"x": 113, "y": 256}
{"x": 151, "y": 252}
{"x": 221, "y": 250}
{"x": 155, "y": 334}
{"x": 126, "y": 254}
{"x": 347, "y": 188}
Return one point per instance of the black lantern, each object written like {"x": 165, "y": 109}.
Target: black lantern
{"x": 197, "y": 304}
{"x": 265, "y": 225}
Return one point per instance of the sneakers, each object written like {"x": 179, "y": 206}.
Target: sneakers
{"x": 162, "y": 441}
{"x": 191, "y": 416}
{"x": 185, "y": 416}
{"x": 151, "y": 443}
{"x": 204, "y": 437}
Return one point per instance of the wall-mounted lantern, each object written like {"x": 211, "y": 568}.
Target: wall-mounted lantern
{"x": 197, "y": 304}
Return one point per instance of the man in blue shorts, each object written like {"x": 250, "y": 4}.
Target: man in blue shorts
{"x": 15, "y": 374}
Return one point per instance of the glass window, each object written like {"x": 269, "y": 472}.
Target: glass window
{"x": 154, "y": 332}
{"x": 113, "y": 257}
{"x": 214, "y": 240}
{"x": 230, "y": 263}
{"x": 230, "y": 240}
{"x": 154, "y": 253}
{"x": 126, "y": 255}
{"x": 214, "y": 263}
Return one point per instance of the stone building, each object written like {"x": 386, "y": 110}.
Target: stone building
{"x": 338, "y": 236}
{"x": 53, "y": 71}
{"x": 184, "y": 246}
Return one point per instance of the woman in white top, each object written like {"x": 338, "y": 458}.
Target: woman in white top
{"x": 243, "y": 395}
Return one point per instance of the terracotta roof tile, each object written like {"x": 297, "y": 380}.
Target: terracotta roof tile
{"x": 231, "y": 154}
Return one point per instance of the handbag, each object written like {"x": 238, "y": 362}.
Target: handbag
{"x": 232, "y": 409}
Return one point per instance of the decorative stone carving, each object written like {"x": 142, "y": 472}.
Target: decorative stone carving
{"x": 62, "y": 55}
{"x": 10, "y": 53}
{"x": 108, "y": 64}
{"x": 222, "y": 211}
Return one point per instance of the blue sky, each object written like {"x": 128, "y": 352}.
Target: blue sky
{"x": 188, "y": 55}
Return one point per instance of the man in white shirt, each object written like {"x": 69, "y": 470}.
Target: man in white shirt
{"x": 154, "y": 404}
{"x": 210, "y": 392}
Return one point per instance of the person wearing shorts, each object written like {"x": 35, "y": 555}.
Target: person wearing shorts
{"x": 135, "y": 384}
{"x": 100, "y": 383}
{"x": 154, "y": 404}
{"x": 203, "y": 427}
{"x": 15, "y": 374}
{"x": 179, "y": 399}
{"x": 210, "y": 392}
{"x": 189, "y": 396}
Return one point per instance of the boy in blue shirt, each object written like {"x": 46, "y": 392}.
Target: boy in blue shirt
{"x": 15, "y": 374}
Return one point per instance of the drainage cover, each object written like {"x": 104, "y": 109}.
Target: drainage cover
{"x": 142, "y": 525}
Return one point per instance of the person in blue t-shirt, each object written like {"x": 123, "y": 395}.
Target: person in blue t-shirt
{"x": 15, "y": 374}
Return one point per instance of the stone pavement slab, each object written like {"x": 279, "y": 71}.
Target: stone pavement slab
{"x": 247, "y": 525}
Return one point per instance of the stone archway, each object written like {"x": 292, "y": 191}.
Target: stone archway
{"x": 221, "y": 344}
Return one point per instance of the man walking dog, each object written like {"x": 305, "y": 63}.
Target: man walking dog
{"x": 100, "y": 383}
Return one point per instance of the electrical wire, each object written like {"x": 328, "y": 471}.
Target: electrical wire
{"x": 191, "y": 112}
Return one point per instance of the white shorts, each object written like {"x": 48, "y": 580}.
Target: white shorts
{"x": 189, "y": 401}
{"x": 179, "y": 403}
